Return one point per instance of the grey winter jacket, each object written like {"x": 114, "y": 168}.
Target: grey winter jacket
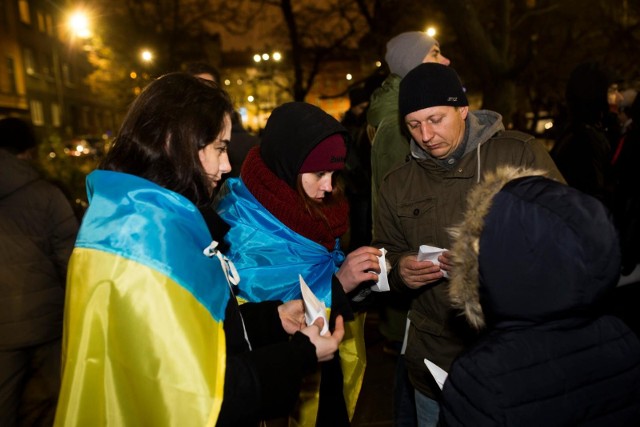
{"x": 37, "y": 231}
{"x": 418, "y": 202}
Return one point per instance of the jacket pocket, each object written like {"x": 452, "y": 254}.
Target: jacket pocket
{"x": 418, "y": 221}
{"x": 425, "y": 324}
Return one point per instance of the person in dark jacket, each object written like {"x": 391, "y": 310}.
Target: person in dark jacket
{"x": 452, "y": 148}
{"x": 534, "y": 260}
{"x": 37, "y": 231}
{"x": 153, "y": 334}
{"x": 243, "y": 141}
{"x": 583, "y": 152}
{"x": 357, "y": 173}
{"x": 287, "y": 215}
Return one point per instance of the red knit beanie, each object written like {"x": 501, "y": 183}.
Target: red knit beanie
{"x": 328, "y": 155}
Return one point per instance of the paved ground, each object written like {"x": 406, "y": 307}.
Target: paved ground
{"x": 374, "y": 403}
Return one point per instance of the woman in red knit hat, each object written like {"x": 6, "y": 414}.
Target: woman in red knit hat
{"x": 287, "y": 214}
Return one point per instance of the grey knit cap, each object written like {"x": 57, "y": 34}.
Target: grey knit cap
{"x": 407, "y": 50}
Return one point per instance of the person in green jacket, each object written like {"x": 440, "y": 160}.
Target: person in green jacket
{"x": 390, "y": 147}
{"x": 452, "y": 148}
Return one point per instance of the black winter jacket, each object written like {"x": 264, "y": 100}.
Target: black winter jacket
{"x": 534, "y": 260}
{"x": 37, "y": 231}
{"x": 262, "y": 382}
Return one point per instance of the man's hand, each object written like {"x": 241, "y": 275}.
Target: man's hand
{"x": 418, "y": 273}
{"x": 446, "y": 262}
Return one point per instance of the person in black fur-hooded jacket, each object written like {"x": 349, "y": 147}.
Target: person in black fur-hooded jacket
{"x": 533, "y": 261}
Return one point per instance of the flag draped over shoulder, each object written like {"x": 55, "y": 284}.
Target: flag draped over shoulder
{"x": 269, "y": 256}
{"x": 143, "y": 336}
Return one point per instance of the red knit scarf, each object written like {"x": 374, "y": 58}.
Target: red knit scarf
{"x": 286, "y": 204}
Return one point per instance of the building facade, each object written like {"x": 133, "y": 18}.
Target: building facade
{"x": 44, "y": 67}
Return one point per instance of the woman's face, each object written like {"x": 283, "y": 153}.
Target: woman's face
{"x": 214, "y": 157}
{"x": 316, "y": 184}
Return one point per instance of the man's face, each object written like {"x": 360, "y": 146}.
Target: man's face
{"x": 434, "y": 55}
{"x": 438, "y": 130}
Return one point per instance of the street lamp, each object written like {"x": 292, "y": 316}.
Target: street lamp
{"x": 275, "y": 56}
{"x": 431, "y": 31}
{"x": 146, "y": 55}
{"x": 265, "y": 86}
{"x": 79, "y": 24}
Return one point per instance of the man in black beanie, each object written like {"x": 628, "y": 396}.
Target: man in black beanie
{"x": 451, "y": 150}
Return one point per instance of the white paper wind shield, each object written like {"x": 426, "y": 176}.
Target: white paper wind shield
{"x": 313, "y": 307}
{"x": 439, "y": 374}
{"x": 431, "y": 253}
{"x": 382, "y": 285}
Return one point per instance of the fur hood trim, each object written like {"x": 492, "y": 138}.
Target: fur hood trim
{"x": 464, "y": 283}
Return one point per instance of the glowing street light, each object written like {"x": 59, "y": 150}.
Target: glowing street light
{"x": 275, "y": 56}
{"x": 146, "y": 55}
{"x": 79, "y": 24}
{"x": 431, "y": 31}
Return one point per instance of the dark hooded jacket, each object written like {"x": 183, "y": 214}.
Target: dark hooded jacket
{"x": 37, "y": 231}
{"x": 270, "y": 173}
{"x": 583, "y": 150}
{"x": 534, "y": 260}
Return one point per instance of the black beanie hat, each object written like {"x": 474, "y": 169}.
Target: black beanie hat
{"x": 291, "y": 132}
{"x": 430, "y": 85}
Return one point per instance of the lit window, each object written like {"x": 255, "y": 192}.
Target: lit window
{"x": 37, "y": 115}
{"x": 49, "y": 25}
{"x": 56, "y": 116}
{"x": 11, "y": 73}
{"x": 41, "y": 26}
{"x": 66, "y": 74}
{"x": 25, "y": 15}
{"x": 29, "y": 62}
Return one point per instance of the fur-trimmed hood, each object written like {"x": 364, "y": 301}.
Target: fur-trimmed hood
{"x": 531, "y": 249}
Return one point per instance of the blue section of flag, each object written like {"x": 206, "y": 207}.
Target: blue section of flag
{"x": 134, "y": 218}
{"x": 268, "y": 255}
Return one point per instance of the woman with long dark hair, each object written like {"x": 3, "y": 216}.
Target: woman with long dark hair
{"x": 152, "y": 332}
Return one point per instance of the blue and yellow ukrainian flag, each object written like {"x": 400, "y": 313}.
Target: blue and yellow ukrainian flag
{"x": 143, "y": 340}
{"x": 269, "y": 256}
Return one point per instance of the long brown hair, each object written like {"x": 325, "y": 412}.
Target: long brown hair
{"x": 172, "y": 119}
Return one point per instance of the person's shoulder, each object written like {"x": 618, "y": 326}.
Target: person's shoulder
{"x": 399, "y": 172}
{"x": 54, "y": 195}
{"x": 390, "y": 89}
{"x": 513, "y": 135}
{"x": 510, "y": 141}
